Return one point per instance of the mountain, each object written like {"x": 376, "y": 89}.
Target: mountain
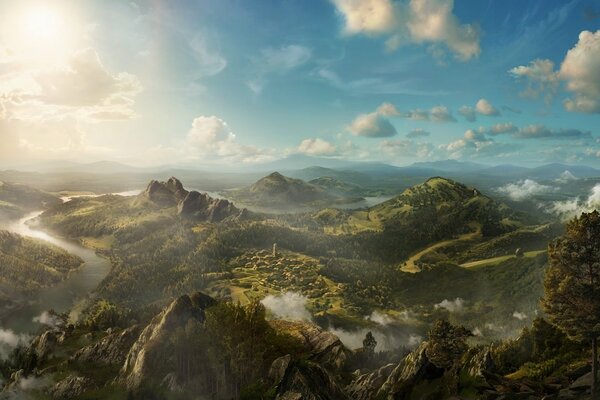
{"x": 449, "y": 166}
{"x": 337, "y": 186}
{"x": 189, "y": 203}
{"x": 554, "y": 171}
{"x": 283, "y": 193}
{"x": 446, "y": 207}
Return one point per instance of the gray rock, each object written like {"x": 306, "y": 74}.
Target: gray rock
{"x": 71, "y": 387}
{"x": 110, "y": 350}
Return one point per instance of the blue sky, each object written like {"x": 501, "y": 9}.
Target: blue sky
{"x": 232, "y": 81}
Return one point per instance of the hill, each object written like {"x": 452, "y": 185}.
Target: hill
{"x": 28, "y": 265}
{"x": 16, "y": 199}
{"x": 278, "y": 192}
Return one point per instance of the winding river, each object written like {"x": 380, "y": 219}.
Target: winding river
{"x": 62, "y": 297}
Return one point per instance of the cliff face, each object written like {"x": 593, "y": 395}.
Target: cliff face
{"x": 146, "y": 362}
{"x": 190, "y": 204}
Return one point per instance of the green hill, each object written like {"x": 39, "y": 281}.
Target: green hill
{"x": 28, "y": 265}
{"x": 16, "y": 199}
{"x": 283, "y": 193}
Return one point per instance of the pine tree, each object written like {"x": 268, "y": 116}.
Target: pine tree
{"x": 572, "y": 283}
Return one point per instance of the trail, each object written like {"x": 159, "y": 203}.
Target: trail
{"x": 496, "y": 260}
{"x": 410, "y": 264}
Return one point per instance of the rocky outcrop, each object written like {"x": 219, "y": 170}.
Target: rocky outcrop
{"x": 366, "y": 386}
{"x": 189, "y": 204}
{"x": 148, "y": 356}
{"x": 110, "y": 350}
{"x": 324, "y": 347}
{"x": 202, "y": 206}
{"x": 308, "y": 381}
{"x": 43, "y": 345}
{"x": 72, "y": 387}
{"x": 166, "y": 194}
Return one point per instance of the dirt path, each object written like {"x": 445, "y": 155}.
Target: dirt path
{"x": 410, "y": 264}
{"x": 496, "y": 260}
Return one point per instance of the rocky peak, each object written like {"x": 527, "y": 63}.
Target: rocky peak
{"x": 202, "y": 206}
{"x": 167, "y": 193}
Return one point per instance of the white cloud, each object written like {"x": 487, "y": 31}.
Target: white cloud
{"x": 484, "y": 107}
{"x": 524, "y": 189}
{"x": 568, "y": 209}
{"x": 380, "y": 318}
{"x": 455, "y": 305}
{"x": 540, "y": 77}
{"x": 317, "y": 147}
{"x": 581, "y": 71}
{"x": 288, "y": 305}
{"x": 436, "y": 114}
{"x": 519, "y": 315}
{"x": 475, "y": 144}
{"x": 415, "y": 21}
{"x": 46, "y": 318}
{"x": 565, "y": 177}
{"x": 375, "y": 124}
{"x": 388, "y": 110}
{"x": 210, "y": 138}
{"x": 372, "y": 125}
{"x": 502, "y": 128}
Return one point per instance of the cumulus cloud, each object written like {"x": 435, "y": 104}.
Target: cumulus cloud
{"x": 417, "y": 133}
{"x": 436, "y": 114}
{"x": 375, "y": 124}
{"x": 568, "y": 209}
{"x": 474, "y": 143}
{"x": 317, "y": 147}
{"x": 540, "y": 77}
{"x": 502, "y": 128}
{"x": 372, "y": 125}
{"x": 288, "y": 305}
{"x": 581, "y": 71}
{"x": 455, "y": 305}
{"x": 524, "y": 189}
{"x": 86, "y": 82}
{"x": 211, "y": 138}
{"x": 429, "y": 22}
{"x": 482, "y": 107}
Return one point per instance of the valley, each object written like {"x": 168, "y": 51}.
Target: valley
{"x": 341, "y": 271}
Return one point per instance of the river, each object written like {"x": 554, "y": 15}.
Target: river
{"x": 66, "y": 294}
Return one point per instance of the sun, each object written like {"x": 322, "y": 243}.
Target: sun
{"x": 44, "y": 33}
{"x": 43, "y": 24}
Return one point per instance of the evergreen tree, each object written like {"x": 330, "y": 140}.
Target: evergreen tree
{"x": 572, "y": 283}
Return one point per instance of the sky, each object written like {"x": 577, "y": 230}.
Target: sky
{"x": 234, "y": 82}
